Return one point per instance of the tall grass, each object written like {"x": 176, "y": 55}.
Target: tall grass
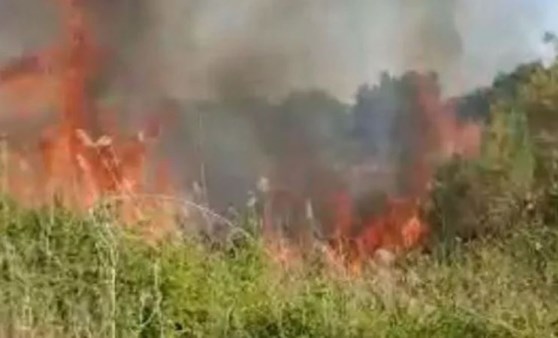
{"x": 67, "y": 276}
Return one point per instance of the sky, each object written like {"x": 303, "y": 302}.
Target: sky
{"x": 552, "y": 13}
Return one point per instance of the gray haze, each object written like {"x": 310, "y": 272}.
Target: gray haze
{"x": 270, "y": 46}
{"x": 225, "y": 49}
{"x": 204, "y": 48}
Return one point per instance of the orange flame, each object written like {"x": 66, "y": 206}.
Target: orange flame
{"x": 353, "y": 237}
{"x": 80, "y": 169}
{"x": 400, "y": 227}
{"x": 69, "y": 164}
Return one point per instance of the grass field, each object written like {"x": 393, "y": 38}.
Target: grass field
{"x": 68, "y": 276}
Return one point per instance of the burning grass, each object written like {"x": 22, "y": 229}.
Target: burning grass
{"x": 64, "y": 275}
{"x": 68, "y": 266}
{"x": 80, "y": 159}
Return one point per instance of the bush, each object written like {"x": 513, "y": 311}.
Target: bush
{"x": 469, "y": 200}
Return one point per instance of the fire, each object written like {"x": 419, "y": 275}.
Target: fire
{"x": 83, "y": 158}
{"x": 69, "y": 163}
{"x": 356, "y": 218}
{"x": 400, "y": 227}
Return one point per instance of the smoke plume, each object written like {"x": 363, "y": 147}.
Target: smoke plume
{"x": 269, "y": 47}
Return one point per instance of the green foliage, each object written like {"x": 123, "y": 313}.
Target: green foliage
{"x": 517, "y": 174}
{"x": 68, "y": 276}
{"x": 539, "y": 97}
{"x": 470, "y": 200}
{"x": 507, "y": 146}
{"x": 545, "y": 192}
{"x": 487, "y": 195}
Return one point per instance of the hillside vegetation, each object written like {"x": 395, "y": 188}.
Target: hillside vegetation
{"x": 490, "y": 270}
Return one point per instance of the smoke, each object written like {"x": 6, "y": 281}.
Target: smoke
{"x": 16, "y": 34}
{"x": 269, "y": 47}
{"x": 216, "y": 48}
{"x": 234, "y": 51}
{"x": 431, "y": 38}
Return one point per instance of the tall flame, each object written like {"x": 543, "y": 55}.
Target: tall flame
{"x": 400, "y": 227}
{"x": 68, "y": 163}
{"x": 83, "y": 159}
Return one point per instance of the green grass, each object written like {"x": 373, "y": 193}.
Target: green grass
{"x": 68, "y": 276}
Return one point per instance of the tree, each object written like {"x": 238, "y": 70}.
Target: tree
{"x": 507, "y": 145}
